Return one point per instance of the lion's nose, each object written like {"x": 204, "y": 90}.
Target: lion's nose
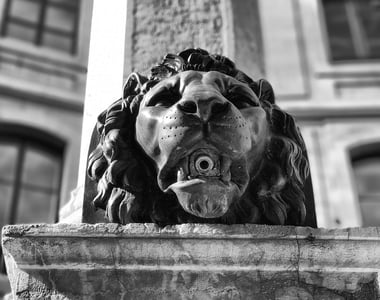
{"x": 204, "y": 108}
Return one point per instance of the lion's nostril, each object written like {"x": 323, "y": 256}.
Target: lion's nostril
{"x": 188, "y": 107}
{"x": 219, "y": 108}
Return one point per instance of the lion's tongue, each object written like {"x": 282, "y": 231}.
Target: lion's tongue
{"x": 205, "y": 198}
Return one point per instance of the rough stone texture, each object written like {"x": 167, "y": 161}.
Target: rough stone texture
{"x": 142, "y": 261}
{"x": 171, "y": 26}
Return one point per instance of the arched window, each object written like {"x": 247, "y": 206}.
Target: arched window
{"x": 366, "y": 169}
{"x": 30, "y": 176}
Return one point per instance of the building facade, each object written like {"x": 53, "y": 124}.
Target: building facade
{"x": 43, "y": 66}
{"x": 323, "y": 58}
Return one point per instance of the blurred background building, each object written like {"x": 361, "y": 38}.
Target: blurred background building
{"x": 43, "y": 65}
{"x": 321, "y": 56}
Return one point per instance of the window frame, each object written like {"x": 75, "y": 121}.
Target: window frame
{"x": 327, "y": 43}
{"x": 24, "y": 136}
{"x": 361, "y": 152}
{"x": 326, "y": 73}
{"x": 41, "y": 27}
{"x": 60, "y": 59}
{"x": 23, "y": 145}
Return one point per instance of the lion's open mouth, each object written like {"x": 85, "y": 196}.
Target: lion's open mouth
{"x": 202, "y": 183}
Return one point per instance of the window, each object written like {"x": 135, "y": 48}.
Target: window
{"x": 367, "y": 178}
{"x": 30, "y": 176}
{"x": 353, "y": 28}
{"x": 48, "y": 23}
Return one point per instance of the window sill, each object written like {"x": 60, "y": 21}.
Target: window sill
{"x": 349, "y": 69}
{"x": 316, "y": 110}
{"x": 29, "y": 91}
{"x": 41, "y": 53}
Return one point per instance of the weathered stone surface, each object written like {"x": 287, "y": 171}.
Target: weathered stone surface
{"x": 191, "y": 261}
{"x": 169, "y": 26}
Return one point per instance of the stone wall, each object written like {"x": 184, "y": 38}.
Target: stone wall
{"x": 191, "y": 261}
{"x": 170, "y": 26}
{"x": 231, "y": 28}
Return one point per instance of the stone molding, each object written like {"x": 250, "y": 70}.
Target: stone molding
{"x": 191, "y": 261}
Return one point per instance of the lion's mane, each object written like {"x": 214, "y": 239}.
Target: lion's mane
{"x": 126, "y": 179}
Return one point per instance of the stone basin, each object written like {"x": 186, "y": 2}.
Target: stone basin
{"x": 191, "y": 261}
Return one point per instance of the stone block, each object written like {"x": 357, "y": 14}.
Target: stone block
{"x": 191, "y": 261}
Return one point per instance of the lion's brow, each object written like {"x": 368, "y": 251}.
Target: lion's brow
{"x": 187, "y": 79}
{"x": 216, "y": 79}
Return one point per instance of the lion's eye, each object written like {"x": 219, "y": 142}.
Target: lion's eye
{"x": 165, "y": 98}
{"x": 241, "y": 101}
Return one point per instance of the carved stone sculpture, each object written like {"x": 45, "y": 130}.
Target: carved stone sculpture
{"x": 198, "y": 141}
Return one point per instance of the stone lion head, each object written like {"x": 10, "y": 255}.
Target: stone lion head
{"x": 198, "y": 141}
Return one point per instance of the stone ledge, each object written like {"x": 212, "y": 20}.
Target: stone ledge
{"x": 83, "y": 261}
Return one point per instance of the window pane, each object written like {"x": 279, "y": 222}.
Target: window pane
{"x": 353, "y": 28}
{"x": 8, "y": 157}
{"x": 21, "y": 32}
{"x": 338, "y": 30}
{"x": 55, "y": 28}
{"x": 369, "y": 17}
{"x": 55, "y": 41}
{"x": 371, "y": 213}
{"x": 35, "y": 206}
{"x": 41, "y": 169}
{"x": 60, "y": 18}
{"x": 8, "y": 161}
{"x": 367, "y": 178}
{"x": 367, "y": 175}
{"x": 5, "y": 200}
{"x": 25, "y": 9}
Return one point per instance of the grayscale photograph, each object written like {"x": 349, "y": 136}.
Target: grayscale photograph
{"x": 190, "y": 149}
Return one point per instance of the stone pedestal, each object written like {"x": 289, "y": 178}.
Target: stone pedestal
{"x": 142, "y": 261}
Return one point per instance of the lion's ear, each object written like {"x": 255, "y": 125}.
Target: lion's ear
{"x": 133, "y": 85}
{"x": 266, "y": 91}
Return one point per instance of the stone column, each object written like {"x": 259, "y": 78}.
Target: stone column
{"x": 134, "y": 35}
{"x": 227, "y": 27}
{"x": 105, "y": 67}
{"x": 104, "y": 85}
